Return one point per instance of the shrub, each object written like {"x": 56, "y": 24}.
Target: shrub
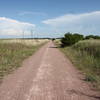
{"x": 92, "y": 37}
{"x": 70, "y": 39}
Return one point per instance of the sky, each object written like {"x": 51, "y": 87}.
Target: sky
{"x": 48, "y": 18}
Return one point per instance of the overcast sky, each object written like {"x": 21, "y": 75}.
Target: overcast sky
{"x": 49, "y": 18}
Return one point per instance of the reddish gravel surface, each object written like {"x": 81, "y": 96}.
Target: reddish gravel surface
{"x": 47, "y": 75}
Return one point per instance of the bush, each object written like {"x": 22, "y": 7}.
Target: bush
{"x": 53, "y": 39}
{"x": 70, "y": 39}
{"x": 92, "y": 37}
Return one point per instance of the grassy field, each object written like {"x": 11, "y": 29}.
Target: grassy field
{"x": 25, "y": 41}
{"x": 85, "y": 55}
{"x": 13, "y": 52}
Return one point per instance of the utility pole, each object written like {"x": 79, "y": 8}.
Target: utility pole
{"x": 31, "y": 34}
{"x": 23, "y": 34}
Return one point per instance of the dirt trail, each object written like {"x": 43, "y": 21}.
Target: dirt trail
{"x": 47, "y": 75}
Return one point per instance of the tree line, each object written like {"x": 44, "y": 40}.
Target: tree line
{"x": 71, "y": 38}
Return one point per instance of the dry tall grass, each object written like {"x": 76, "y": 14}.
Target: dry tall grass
{"x": 86, "y": 56}
{"x": 13, "y": 52}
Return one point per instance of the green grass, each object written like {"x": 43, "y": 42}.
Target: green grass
{"x": 12, "y": 55}
{"x": 85, "y": 55}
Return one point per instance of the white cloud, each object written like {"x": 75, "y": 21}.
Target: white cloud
{"x": 84, "y": 23}
{"x": 13, "y": 27}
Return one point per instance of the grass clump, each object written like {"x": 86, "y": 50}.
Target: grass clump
{"x": 85, "y": 55}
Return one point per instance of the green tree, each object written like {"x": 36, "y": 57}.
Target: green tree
{"x": 70, "y": 39}
{"x": 92, "y": 37}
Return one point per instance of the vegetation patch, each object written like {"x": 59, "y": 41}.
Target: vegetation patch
{"x": 85, "y": 55}
{"x": 70, "y": 39}
{"x": 12, "y": 55}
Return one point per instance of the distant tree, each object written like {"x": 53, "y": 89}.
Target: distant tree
{"x": 70, "y": 39}
{"x": 53, "y": 39}
{"x": 78, "y": 37}
{"x": 89, "y": 37}
{"x": 92, "y": 37}
{"x": 67, "y": 39}
{"x": 96, "y": 37}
